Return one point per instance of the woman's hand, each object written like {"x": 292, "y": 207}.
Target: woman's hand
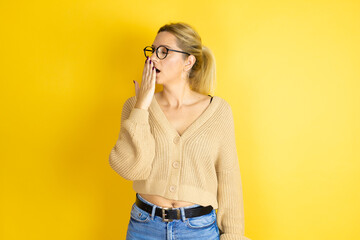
{"x": 145, "y": 93}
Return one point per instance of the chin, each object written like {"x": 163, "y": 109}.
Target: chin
{"x": 157, "y": 79}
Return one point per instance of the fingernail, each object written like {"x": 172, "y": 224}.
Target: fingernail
{"x": 153, "y": 68}
{"x": 150, "y": 61}
{"x": 133, "y": 81}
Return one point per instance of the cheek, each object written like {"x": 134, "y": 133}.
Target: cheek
{"x": 173, "y": 67}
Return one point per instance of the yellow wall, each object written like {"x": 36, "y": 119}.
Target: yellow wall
{"x": 289, "y": 69}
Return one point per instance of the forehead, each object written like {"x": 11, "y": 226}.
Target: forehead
{"x": 166, "y": 39}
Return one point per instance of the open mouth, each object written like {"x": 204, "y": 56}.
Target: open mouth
{"x": 157, "y": 70}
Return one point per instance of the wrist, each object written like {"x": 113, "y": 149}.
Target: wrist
{"x": 137, "y": 105}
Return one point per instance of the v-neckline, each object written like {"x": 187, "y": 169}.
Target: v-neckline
{"x": 156, "y": 108}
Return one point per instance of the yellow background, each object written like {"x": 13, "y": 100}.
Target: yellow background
{"x": 289, "y": 69}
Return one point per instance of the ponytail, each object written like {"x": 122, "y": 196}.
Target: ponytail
{"x": 208, "y": 72}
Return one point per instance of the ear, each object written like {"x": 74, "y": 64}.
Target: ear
{"x": 189, "y": 63}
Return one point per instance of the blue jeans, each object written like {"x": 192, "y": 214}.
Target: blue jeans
{"x": 146, "y": 226}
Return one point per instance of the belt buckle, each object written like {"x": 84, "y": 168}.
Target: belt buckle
{"x": 169, "y": 220}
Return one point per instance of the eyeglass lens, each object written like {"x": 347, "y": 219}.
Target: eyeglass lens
{"x": 161, "y": 52}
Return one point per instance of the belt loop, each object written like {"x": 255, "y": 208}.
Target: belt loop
{"x": 153, "y": 212}
{"x": 183, "y": 217}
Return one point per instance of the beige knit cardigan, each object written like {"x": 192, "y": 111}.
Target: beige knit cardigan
{"x": 199, "y": 166}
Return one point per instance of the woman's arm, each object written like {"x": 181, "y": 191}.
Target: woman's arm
{"x": 230, "y": 214}
{"x": 134, "y": 151}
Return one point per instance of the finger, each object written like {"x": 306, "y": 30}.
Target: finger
{"x": 144, "y": 80}
{"x": 153, "y": 76}
{"x": 148, "y": 69}
{"x": 151, "y": 65}
{"x": 136, "y": 88}
{"x": 146, "y": 64}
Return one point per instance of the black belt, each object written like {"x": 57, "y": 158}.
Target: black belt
{"x": 169, "y": 214}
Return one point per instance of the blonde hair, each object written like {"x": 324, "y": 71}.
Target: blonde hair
{"x": 202, "y": 76}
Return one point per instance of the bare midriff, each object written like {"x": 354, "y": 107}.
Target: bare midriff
{"x": 165, "y": 202}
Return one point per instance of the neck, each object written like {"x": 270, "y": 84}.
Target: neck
{"x": 177, "y": 95}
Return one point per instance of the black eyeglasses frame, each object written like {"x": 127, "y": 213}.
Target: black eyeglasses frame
{"x": 167, "y": 51}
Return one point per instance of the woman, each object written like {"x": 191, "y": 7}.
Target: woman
{"x": 178, "y": 146}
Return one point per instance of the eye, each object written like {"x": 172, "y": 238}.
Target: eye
{"x": 162, "y": 50}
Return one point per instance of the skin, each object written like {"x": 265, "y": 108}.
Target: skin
{"x": 181, "y": 105}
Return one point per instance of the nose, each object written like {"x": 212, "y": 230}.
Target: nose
{"x": 154, "y": 57}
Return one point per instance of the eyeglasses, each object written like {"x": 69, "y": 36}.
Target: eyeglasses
{"x": 161, "y": 51}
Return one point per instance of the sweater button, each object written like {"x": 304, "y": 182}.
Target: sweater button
{"x": 176, "y": 139}
{"x": 172, "y": 188}
{"x": 176, "y": 164}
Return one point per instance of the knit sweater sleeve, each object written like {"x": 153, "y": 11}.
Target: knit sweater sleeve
{"x": 134, "y": 151}
{"x": 230, "y": 213}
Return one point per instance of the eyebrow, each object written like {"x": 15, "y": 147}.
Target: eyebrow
{"x": 161, "y": 45}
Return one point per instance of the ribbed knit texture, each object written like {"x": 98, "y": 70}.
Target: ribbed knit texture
{"x": 200, "y": 166}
